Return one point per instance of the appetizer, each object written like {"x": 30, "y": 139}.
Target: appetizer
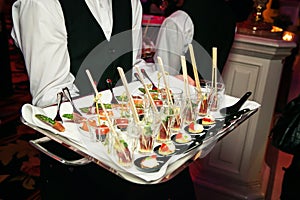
{"x": 195, "y": 128}
{"x": 122, "y": 98}
{"x": 54, "y": 124}
{"x": 149, "y": 162}
{"x": 182, "y": 138}
{"x": 123, "y": 153}
{"x": 166, "y": 148}
{"x": 208, "y": 120}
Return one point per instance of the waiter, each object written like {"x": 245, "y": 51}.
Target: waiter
{"x": 59, "y": 38}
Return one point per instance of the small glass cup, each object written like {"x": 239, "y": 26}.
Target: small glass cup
{"x": 204, "y": 107}
{"x": 122, "y": 116}
{"x": 177, "y": 108}
{"x": 141, "y": 105}
{"x": 83, "y": 128}
{"x": 167, "y": 121}
{"x": 125, "y": 145}
{"x": 190, "y": 109}
{"x": 123, "y": 153}
{"x": 174, "y": 92}
{"x": 98, "y": 129}
{"x": 148, "y": 127}
{"x": 215, "y": 96}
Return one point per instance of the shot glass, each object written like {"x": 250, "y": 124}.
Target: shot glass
{"x": 167, "y": 122}
{"x": 122, "y": 152}
{"x": 98, "y": 129}
{"x": 178, "y": 103}
{"x": 148, "y": 130}
{"x": 83, "y": 129}
{"x": 190, "y": 109}
{"x": 204, "y": 109}
{"x": 216, "y": 94}
{"x": 122, "y": 117}
{"x": 125, "y": 145}
{"x": 174, "y": 92}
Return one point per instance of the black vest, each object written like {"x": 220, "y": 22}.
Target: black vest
{"x": 88, "y": 47}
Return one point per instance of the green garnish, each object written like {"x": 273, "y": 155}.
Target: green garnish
{"x": 45, "y": 119}
{"x": 144, "y": 91}
{"x": 106, "y": 106}
{"x": 124, "y": 143}
{"x": 122, "y": 98}
{"x": 147, "y": 129}
{"x": 68, "y": 116}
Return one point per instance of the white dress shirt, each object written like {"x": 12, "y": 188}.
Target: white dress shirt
{"x": 40, "y": 33}
{"x": 175, "y": 34}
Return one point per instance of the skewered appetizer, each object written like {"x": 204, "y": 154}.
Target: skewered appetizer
{"x": 146, "y": 139}
{"x": 123, "y": 153}
{"x": 53, "y": 123}
{"x": 164, "y": 130}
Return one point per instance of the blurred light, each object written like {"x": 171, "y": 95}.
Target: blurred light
{"x": 288, "y": 36}
{"x": 276, "y": 29}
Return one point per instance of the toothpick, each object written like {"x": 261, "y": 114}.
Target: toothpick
{"x": 198, "y": 86}
{"x": 111, "y": 126}
{"x": 133, "y": 108}
{"x": 214, "y": 75}
{"x": 95, "y": 90}
{"x": 169, "y": 97}
{"x": 92, "y": 81}
{"x": 186, "y": 86}
{"x": 98, "y": 97}
{"x": 214, "y": 65}
{"x": 185, "y": 79}
{"x": 147, "y": 26}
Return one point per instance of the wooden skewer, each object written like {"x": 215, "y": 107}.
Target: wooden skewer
{"x": 185, "y": 77}
{"x": 92, "y": 81}
{"x": 214, "y": 63}
{"x": 98, "y": 97}
{"x": 186, "y": 85}
{"x": 95, "y": 90}
{"x": 149, "y": 96}
{"x": 111, "y": 126}
{"x": 147, "y": 26}
{"x": 198, "y": 86}
{"x": 169, "y": 97}
{"x": 132, "y": 106}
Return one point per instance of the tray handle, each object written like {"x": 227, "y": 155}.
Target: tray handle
{"x": 36, "y": 143}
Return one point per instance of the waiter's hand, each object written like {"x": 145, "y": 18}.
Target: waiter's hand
{"x": 190, "y": 80}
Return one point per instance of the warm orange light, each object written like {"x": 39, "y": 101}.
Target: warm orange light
{"x": 276, "y": 29}
{"x": 288, "y": 36}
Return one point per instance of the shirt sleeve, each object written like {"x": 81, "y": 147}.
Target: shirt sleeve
{"x": 39, "y": 31}
{"x": 137, "y": 32}
{"x": 174, "y": 36}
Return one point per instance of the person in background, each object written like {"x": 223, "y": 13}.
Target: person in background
{"x": 205, "y": 24}
{"x": 215, "y": 23}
